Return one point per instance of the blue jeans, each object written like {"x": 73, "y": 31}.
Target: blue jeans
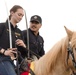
{"x": 6, "y": 68}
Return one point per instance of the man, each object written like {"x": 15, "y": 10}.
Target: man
{"x": 36, "y": 42}
{"x": 7, "y": 53}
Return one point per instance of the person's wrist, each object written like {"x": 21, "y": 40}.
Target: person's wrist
{"x": 2, "y": 51}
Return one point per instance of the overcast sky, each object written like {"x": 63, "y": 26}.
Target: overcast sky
{"x": 55, "y": 14}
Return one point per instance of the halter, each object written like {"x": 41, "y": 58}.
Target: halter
{"x": 70, "y": 52}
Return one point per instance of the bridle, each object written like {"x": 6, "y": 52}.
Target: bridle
{"x": 70, "y": 53}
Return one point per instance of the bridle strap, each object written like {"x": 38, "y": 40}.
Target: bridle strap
{"x": 70, "y": 52}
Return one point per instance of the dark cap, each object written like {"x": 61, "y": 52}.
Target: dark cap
{"x": 36, "y": 18}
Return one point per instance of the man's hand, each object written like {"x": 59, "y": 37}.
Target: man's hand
{"x": 20, "y": 43}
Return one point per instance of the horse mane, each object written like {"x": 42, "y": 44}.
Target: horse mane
{"x": 49, "y": 61}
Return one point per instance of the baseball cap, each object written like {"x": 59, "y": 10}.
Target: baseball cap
{"x": 36, "y": 18}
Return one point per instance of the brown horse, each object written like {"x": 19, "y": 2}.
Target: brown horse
{"x": 61, "y": 59}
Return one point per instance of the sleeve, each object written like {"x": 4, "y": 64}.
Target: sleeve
{"x": 23, "y": 50}
{"x": 42, "y": 51}
{"x": 1, "y": 30}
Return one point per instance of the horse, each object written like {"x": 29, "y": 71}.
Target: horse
{"x": 60, "y": 59}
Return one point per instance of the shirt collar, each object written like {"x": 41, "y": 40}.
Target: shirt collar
{"x": 33, "y": 32}
{"x": 11, "y": 25}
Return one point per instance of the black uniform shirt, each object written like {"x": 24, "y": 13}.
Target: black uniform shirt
{"x": 4, "y": 38}
{"x": 36, "y": 43}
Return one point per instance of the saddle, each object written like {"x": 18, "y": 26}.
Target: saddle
{"x": 26, "y": 67}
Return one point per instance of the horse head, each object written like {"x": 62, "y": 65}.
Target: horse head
{"x": 71, "y": 59}
{"x": 71, "y": 49}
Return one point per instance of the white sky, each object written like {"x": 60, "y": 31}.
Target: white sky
{"x": 55, "y": 14}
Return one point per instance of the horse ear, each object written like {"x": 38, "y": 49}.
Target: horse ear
{"x": 69, "y": 32}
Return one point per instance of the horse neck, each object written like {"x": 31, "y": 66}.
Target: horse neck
{"x": 55, "y": 59}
